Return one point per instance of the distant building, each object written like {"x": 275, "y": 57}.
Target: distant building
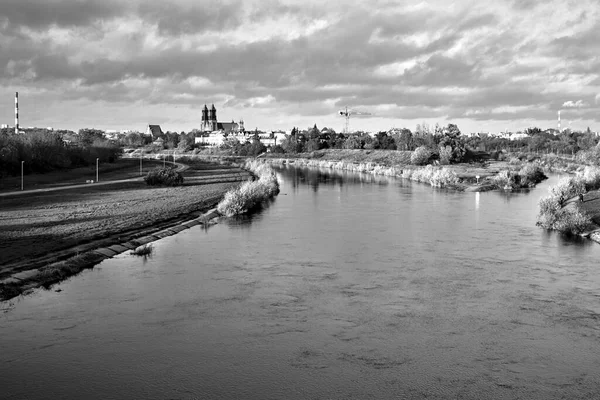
{"x": 154, "y": 131}
{"x": 209, "y": 122}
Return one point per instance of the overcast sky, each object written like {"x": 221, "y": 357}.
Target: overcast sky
{"x": 121, "y": 64}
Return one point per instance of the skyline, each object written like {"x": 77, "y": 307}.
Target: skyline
{"x": 278, "y": 64}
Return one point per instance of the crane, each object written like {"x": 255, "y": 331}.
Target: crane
{"x": 346, "y": 113}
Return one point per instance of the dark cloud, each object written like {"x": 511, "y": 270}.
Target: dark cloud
{"x": 441, "y": 71}
{"x": 193, "y": 18}
{"x": 41, "y": 14}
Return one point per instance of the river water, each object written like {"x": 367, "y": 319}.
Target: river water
{"x": 346, "y": 286}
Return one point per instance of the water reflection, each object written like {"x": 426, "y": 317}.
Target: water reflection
{"x": 314, "y": 177}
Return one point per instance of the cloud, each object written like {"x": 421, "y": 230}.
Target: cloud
{"x": 574, "y": 104}
{"x": 471, "y": 60}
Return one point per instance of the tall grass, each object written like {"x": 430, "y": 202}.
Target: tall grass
{"x": 251, "y": 193}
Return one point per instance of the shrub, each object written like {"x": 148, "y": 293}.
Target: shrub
{"x": 531, "y": 174}
{"x": 443, "y": 177}
{"x": 277, "y": 149}
{"x": 251, "y": 193}
{"x": 567, "y": 188}
{"x": 590, "y": 177}
{"x": 420, "y": 156}
{"x": 553, "y": 216}
{"x": 164, "y": 177}
{"x": 506, "y": 180}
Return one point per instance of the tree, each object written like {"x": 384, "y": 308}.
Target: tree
{"x": 451, "y": 137}
{"x": 314, "y": 132}
{"x": 87, "y": 136}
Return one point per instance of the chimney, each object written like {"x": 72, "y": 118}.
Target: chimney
{"x": 16, "y": 112}
{"x": 559, "y": 120}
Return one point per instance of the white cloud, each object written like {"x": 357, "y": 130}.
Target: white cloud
{"x": 574, "y": 104}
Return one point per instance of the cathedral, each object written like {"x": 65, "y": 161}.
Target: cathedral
{"x": 210, "y": 123}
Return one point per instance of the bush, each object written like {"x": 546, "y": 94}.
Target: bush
{"x": 567, "y": 188}
{"x": 553, "y": 216}
{"x": 420, "y": 156}
{"x": 277, "y": 149}
{"x": 443, "y": 177}
{"x": 531, "y": 174}
{"x": 251, "y": 193}
{"x": 506, "y": 180}
{"x": 590, "y": 177}
{"x": 164, "y": 177}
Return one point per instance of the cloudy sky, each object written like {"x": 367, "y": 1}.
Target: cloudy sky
{"x": 121, "y": 64}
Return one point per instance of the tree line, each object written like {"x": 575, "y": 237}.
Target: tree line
{"x": 45, "y": 150}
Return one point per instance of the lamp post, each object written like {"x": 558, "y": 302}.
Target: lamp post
{"x": 97, "y": 159}
{"x": 22, "y": 162}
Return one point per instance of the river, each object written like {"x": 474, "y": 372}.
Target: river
{"x": 346, "y": 286}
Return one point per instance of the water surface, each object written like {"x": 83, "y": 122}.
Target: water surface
{"x": 345, "y": 286}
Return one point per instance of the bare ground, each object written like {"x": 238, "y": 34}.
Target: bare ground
{"x": 34, "y": 227}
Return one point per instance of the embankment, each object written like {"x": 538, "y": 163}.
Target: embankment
{"x": 42, "y": 229}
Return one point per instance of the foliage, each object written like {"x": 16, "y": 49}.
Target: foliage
{"x": 420, "y": 156}
{"x": 445, "y": 155}
{"x": 506, "y": 180}
{"x": 567, "y": 188}
{"x": 553, "y": 215}
{"x": 591, "y": 177}
{"x": 251, "y": 193}
{"x": 44, "y": 150}
{"x": 531, "y": 175}
{"x": 443, "y": 178}
{"x": 164, "y": 177}
{"x": 277, "y": 149}
{"x": 451, "y": 137}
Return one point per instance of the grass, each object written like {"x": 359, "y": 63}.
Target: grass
{"x": 121, "y": 169}
{"x": 143, "y": 251}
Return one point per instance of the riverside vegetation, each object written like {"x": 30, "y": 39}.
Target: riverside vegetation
{"x": 251, "y": 193}
{"x": 554, "y": 211}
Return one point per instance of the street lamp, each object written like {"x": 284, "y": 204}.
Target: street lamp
{"x": 22, "y": 162}
{"x": 97, "y": 169}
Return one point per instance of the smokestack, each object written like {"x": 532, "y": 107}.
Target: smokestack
{"x": 559, "y": 120}
{"x": 16, "y": 112}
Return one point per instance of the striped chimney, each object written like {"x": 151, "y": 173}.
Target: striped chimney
{"x": 16, "y": 112}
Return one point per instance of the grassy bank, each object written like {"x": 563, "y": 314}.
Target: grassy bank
{"x": 492, "y": 175}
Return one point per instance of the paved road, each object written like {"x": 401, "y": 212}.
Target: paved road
{"x": 180, "y": 168}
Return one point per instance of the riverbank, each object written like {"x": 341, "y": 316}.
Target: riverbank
{"x": 475, "y": 177}
{"x": 42, "y": 229}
